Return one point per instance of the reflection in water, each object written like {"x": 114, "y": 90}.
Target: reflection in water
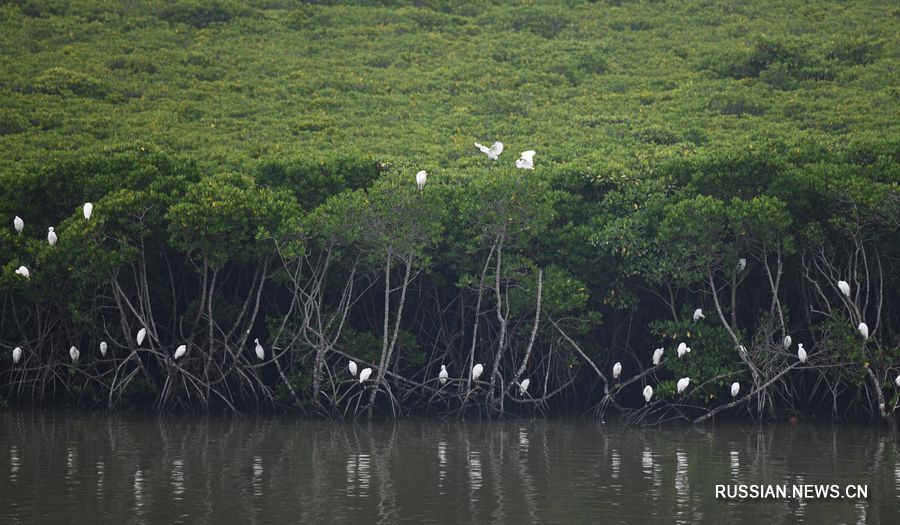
{"x": 101, "y": 474}
{"x": 616, "y": 462}
{"x": 13, "y": 463}
{"x": 442, "y": 463}
{"x": 178, "y": 479}
{"x": 475, "y": 476}
{"x": 257, "y": 476}
{"x": 735, "y": 465}
{"x": 139, "y": 492}
{"x": 682, "y": 488}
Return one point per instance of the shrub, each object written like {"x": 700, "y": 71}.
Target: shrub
{"x": 62, "y": 81}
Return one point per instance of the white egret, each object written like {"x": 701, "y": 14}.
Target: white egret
{"x": 864, "y": 330}
{"x": 260, "y": 353}
{"x": 523, "y": 386}
{"x": 352, "y": 367}
{"x": 801, "y": 353}
{"x": 421, "y": 177}
{"x": 476, "y": 371}
{"x": 617, "y": 370}
{"x": 897, "y": 381}
{"x": 442, "y": 377}
{"x": 180, "y": 351}
{"x": 787, "y": 341}
{"x": 683, "y": 348}
{"x": 19, "y": 224}
{"x": 364, "y": 375}
{"x": 23, "y": 271}
{"x": 74, "y": 353}
{"x": 648, "y": 393}
{"x": 698, "y": 314}
{"x": 103, "y": 347}
{"x": 657, "y": 355}
{"x": 51, "y": 236}
{"x": 735, "y": 388}
{"x": 142, "y": 333}
{"x": 845, "y": 288}
{"x": 526, "y": 161}
{"x": 493, "y": 152}
{"x": 88, "y": 210}
{"x": 17, "y": 354}
{"x": 742, "y": 264}
{"x": 682, "y": 384}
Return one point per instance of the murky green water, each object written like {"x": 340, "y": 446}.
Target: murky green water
{"x": 58, "y": 467}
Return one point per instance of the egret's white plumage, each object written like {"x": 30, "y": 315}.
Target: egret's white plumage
{"x": 74, "y": 353}
{"x": 648, "y": 393}
{"x": 493, "y": 152}
{"x": 864, "y": 330}
{"x": 683, "y": 348}
{"x": 657, "y": 355}
{"x": 735, "y": 388}
{"x": 352, "y": 367}
{"x": 523, "y": 386}
{"x": 88, "y": 210}
{"x": 421, "y": 177}
{"x": 742, "y": 264}
{"x": 364, "y": 375}
{"x": 526, "y": 161}
{"x": 801, "y": 353}
{"x": 142, "y": 333}
{"x": 682, "y": 384}
{"x": 442, "y": 377}
{"x": 897, "y": 381}
{"x": 617, "y": 370}
{"x": 260, "y": 352}
{"x": 23, "y": 271}
{"x": 103, "y": 348}
{"x": 51, "y": 236}
{"x": 16, "y": 354}
{"x": 19, "y": 224}
{"x": 787, "y": 341}
{"x": 844, "y": 287}
{"x": 180, "y": 351}
{"x": 698, "y": 314}
{"x": 476, "y": 371}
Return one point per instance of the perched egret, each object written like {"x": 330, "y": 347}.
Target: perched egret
{"x": 742, "y": 264}
{"x": 51, "y": 236}
{"x": 698, "y": 314}
{"x": 364, "y": 375}
{"x": 801, "y": 353}
{"x": 648, "y": 393}
{"x": 735, "y": 388}
{"x": 260, "y": 353}
{"x": 864, "y": 330}
{"x": 526, "y": 161}
{"x": 897, "y": 381}
{"x": 421, "y": 177}
{"x": 493, "y": 152}
{"x": 142, "y": 333}
{"x": 19, "y": 224}
{"x": 103, "y": 347}
{"x": 683, "y": 348}
{"x": 476, "y": 371}
{"x": 88, "y": 210}
{"x": 617, "y": 370}
{"x": 787, "y": 341}
{"x": 657, "y": 355}
{"x": 682, "y": 384}
{"x": 23, "y": 271}
{"x": 352, "y": 367}
{"x": 17, "y": 354}
{"x": 442, "y": 377}
{"x": 180, "y": 351}
{"x": 845, "y": 288}
{"x": 523, "y": 386}
{"x": 74, "y": 353}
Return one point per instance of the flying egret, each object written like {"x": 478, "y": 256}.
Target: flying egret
{"x": 864, "y": 330}
{"x": 657, "y": 355}
{"x": 352, "y": 367}
{"x": 17, "y": 354}
{"x": 493, "y": 152}
{"x": 801, "y": 353}
{"x": 735, "y": 388}
{"x": 787, "y": 341}
{"x": 51, "y": 236}
{"x": 476, "y": 371}
{"x": 742, "y": 264}
{"x": 698, "y": 314}
{"x": 260, "y": 353}
{"x": 526, "y": 161}
{"x": 421, "y": 177}
{"x": 364, "y": 375}
{"x": 74, "y": 353}
{"x": 19, "y": 224}
{"x": 648, "y": 393}
{"x": 88, "y": 210}
{"x": 442, "y": 377}
{"x": 142, "y": 333}
{"x": 523, "y": 386}
{"x": 180, "y": 351}
{"x": 103, "y": 347}
{"x": 617, "y": 370}
{"x": 683, "y": 348}
{"x": 682, "y": 384}
{"x": 845, "y": 288}
{"x": 23, "y": 271}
